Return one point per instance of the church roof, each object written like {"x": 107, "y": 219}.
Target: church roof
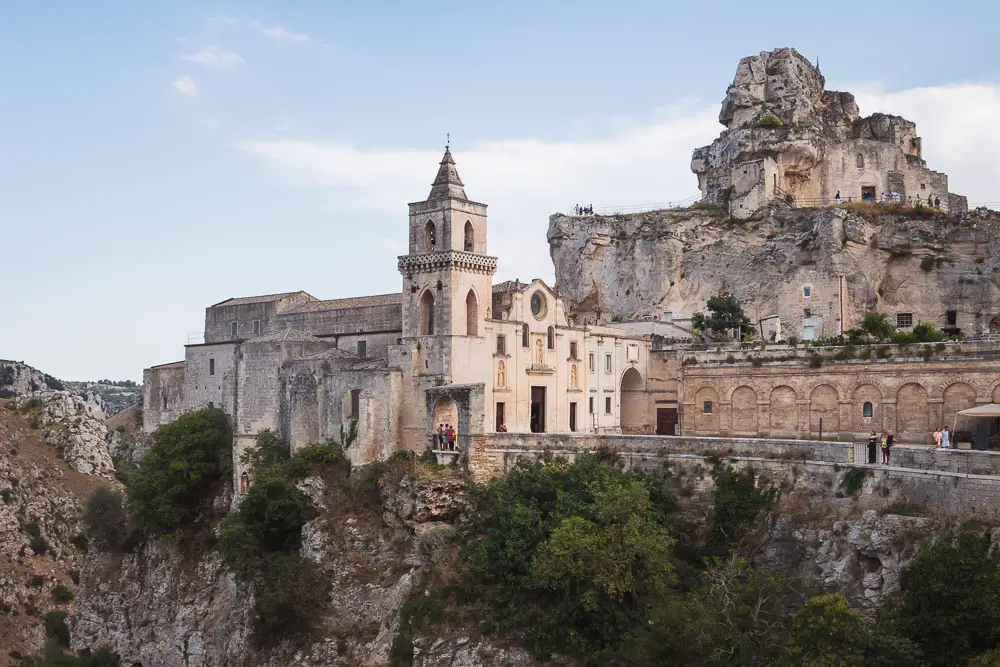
{"x": 264, "y": 298}
{"x": 350, "y": 302}
{"x": 509, "y": 286}
{"x": 447, "y": 185}
{"x": 287, "y": 335}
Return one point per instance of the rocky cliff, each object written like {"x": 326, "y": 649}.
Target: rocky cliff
{"x": 644, "y": 265}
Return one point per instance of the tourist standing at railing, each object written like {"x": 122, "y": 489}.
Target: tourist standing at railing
{"x": 836, "y": 198}
{"x": 872, "y": 446}
{"x": 937, "y": 438}
{"x": 945, "y": 438}
{"x": 889, "y": 439}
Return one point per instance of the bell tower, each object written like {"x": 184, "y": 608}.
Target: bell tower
{"x": 447, "y": 277}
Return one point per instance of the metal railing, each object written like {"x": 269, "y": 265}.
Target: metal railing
{"x": 577, "y": 211}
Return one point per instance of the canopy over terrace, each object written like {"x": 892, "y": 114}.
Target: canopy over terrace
{"x": 982, "y": 413}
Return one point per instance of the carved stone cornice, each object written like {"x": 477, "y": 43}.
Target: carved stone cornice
{"x": 448, "y": 260}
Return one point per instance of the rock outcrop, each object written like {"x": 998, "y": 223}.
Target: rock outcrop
{"x": 645, "y": 265}
{"x": 788, "y": 137}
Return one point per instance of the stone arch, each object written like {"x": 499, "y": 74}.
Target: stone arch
{"x": 633, "y": 397}
{"x": 426, "y": 313}
{"x": 957, "y": 396}
{"x": 995, "y": 392}
{"x": 784, "y": 410}
{"x": 824, "y": 405}
{"x": 470, "y": 237}
{"x": 912, "y": 411}
{"x": 863, "y": 380}
{"x": 471, "y": 314}
{"x": 957, "y": 379}
{"x": 861, "y": 394}
{"x": 430, "y": 236}
{"x": 706, "y": 398}
{"x": 744, "y": 406}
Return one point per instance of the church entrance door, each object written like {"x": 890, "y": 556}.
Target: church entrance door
{"x": 538, "y": 409}
{"x": 868, "y": 193}
{"x": 666, "y": 421}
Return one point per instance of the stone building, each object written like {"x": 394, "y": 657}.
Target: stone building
{"x": 451, "y": 347}
{"x": 788, "y": 138}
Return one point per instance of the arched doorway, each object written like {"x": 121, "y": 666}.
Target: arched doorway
{"x": 866, "y": 406}
{"x": 706, "y": 411}
{"x": 633, "y": 397}
{"x": 745, "y": 411}
{"x": 912, "y": 413}
{"x": 445, "y": 414}
{"x": 426, "y": 314}
{"x": 957, "y": 397}
{"x": 471, "y": 314}
{"x": 783, "y": 410}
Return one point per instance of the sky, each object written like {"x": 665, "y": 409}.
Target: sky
{"x": 157, "y": 157}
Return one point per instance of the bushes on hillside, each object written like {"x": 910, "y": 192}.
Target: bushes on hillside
{"x": 104, "y": 516}
{"x": 189, "y": 458}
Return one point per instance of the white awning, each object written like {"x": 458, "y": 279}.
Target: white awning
{"x": 988, "y": 410}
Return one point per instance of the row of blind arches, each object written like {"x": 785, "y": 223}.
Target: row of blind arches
{"x": 430, "y": 236}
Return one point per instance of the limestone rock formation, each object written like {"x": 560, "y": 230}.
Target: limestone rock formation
{"x": 939, "y": 269}
{"x": 787, "y": 137}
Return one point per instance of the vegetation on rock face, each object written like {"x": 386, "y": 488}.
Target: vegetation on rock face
{"x": 725, "y": 315}
{"x": 188, "y": 460}
{"x": 104, "y": 516}
{"x": 877, "y": 326}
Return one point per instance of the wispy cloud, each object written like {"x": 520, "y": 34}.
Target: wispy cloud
{"x": 215, "y": 58}
{"x": 186, "y": 86}
{"x": 280, "y": 34}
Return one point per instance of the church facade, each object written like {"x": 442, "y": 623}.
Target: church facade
{"x": 451, "y": 348}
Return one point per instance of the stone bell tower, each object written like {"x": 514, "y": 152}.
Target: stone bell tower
{"x": 447, "y": 284}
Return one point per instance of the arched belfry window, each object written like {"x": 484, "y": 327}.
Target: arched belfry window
{"x": 551, "y": 338}
{"x": 470, "y": 237}
{"x": 861, "y": 161}
{"x": 430, "y": 236}
{"x": 426, "y": 314}
{"x": 471, "y": 314}
{"x": 867, "y": 409}
{"x": 524, "y": 335}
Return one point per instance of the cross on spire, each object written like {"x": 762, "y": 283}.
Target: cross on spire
{"x": 448, "y": 142}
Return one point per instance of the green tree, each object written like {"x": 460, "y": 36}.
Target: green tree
{"x": 739, "y": 499}
{"x": 827, "y": 633}
{"x": 877, "y": 325}
{"x": 104, "y": 516}
{"x": 725, "y": 315}
{"x": 950, "y": 605}
{"x": 269, "y": 450}
{"x": 924, "y": 332}
{"x": 988, "y": 659}
{"x": 188, "y": 460}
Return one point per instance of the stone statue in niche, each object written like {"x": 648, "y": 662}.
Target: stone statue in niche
{"x": 539, "y": 353}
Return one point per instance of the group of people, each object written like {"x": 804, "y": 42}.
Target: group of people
{"x": 895, "y": 198}
{"x": 583, "y": 210}
{"x": 445, "y": 437}
{"x": 942, "y": 438}
{"x": 884, "y": 444}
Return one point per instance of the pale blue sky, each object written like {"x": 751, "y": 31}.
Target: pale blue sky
{"x": 160, "y": 156}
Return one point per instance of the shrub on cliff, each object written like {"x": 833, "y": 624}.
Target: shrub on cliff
{"x": 572, "y": 554}
{"x": 827, "y": 632}
{"x": 739, "y": 499}
{"x": 725, "y": 314}
{"x": 104, "y": 516}
{"x": 188, "y": 460}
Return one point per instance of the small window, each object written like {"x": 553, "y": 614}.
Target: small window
{"x": 550, "y": 338}
{"x": 256, "y": 327}
{"x": 861, "y": 161}
{"x": 867, "y": 410}
{"x": 363, "y": 349}
{"x": 572, "y": 417}
{"x": 355, "y": 404}
{"x": 706, "y": 407}
{"x": 211, "y": 366}
{"x": 524, "y": 335}
{"x": 501, "y": 425}
{"x": 923, "y": 186}
{"x": 592, "y": 362}
{"x": 607, "y": 363}
{"x": 234, "y": 329}
{"x": 164, "y": 402}
{"x": 668, "y": 316}
{"x": 807, "y": 312}
{"x": 807, "y": 291}
{"x": 501, "y": 344}
{"x": 808, "y": 333}
{"x": 572, "y": 349}
{"x": 951, "y": 317}
{"x": 607, "y": 405}
{"x": 590, "y": 405}
{"x": 904, "y": 320}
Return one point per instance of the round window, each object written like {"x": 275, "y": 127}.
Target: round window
{"x": 538, "y": 305}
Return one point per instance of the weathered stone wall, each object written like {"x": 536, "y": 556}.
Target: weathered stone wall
{"x": 162, "y": 395}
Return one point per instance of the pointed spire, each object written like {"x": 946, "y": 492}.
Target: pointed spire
{"x": 447, "y": 185}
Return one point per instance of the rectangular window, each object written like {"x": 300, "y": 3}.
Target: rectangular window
{"x": 501, "y": 418}
{"x": 572, "y": 417}
{"x": 256, "y": 327}
{"x": 501, "y": 344}
{"x": 590, "y": 405}
{"x": 668, "y": 316}
{"x": 607, "y": 363}
{"x": 923, "y": 186}
{"x": 211, "y": 366}
{"x": 234, "y": 329}
{"x": 363, "y": 349}
{"x": 807, "y": 312}
{"x": 355, "y": 404}
{"x": 951, "y": 317}
{"x": 808, "y": 333}
{"x": 607, "y": 405}
{"x": 592, "y": 363}
{"x": 707, "y": 407}
{"x": 572, "y": 349}
{"x": 904, "y": 320}
{"x": 807, "y": 291}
